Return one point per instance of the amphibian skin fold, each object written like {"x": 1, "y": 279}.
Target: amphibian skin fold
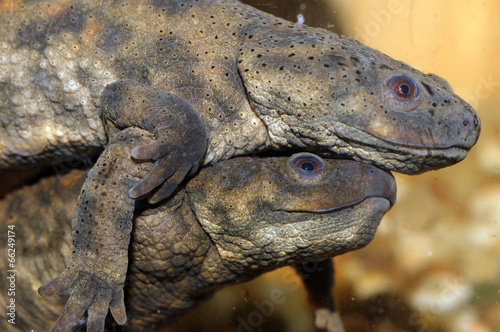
{"x": 232, "y": 222}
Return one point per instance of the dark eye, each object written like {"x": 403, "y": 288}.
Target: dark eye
{"x": 306, "y": 166}
{"x": 403, "y": 87}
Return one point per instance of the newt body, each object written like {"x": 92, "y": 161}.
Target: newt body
{"x": 232, "y": 222}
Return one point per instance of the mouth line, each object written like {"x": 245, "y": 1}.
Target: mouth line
{"x": 329, "y": 210}
{"x": 396, "y": 145}
{"x": 346, "y": 133}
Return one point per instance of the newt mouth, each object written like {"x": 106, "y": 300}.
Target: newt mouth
{"x": 390, "y": 198}
{"x": 398, "y": 148}
{"x": 361, "y": 219}
{"x": 398, "y": 157}
{"x": 358, "y": 137}
{"x": 407, "y": 160}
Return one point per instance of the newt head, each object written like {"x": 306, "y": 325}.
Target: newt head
{"x": 326, "y": 90}
{"x": 279, "y": 209}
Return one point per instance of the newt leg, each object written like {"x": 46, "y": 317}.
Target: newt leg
{"x": 181, "y": 135}
{"x": 102, "y": 225}
{"x": 319, "y": 283}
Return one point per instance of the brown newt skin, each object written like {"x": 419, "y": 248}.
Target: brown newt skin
{"x": 232, "y": 222}
{"x": 211, "y": 80}
{"x": 250, "y": 82}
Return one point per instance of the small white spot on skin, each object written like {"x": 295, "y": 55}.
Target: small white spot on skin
{"x": 50, "y": 132}
{"x": 84, "y": 63}
{"x": 93, "y": 124}
{"x": 16, "y": 58}
{"x": 431, "y": 253}
{"x": 73, "y": 137}
{"x": 18, "y": 100}
{"x": 24, "y": 134}
{"x": 70, "y": 86}
{"x": 84, "y": 131}
{"x": 28, "y": 93}
{"x": 33, "y": 110}
{"x": 300, "y": 19}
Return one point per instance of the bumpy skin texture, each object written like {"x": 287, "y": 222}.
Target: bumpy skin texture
{"x": 101, "y": 228}
{"x": 256, "y": 81}
{"x": 207, "y": 236}
{"x": 211, "y": 80}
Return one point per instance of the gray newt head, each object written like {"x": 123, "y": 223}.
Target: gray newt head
{"x": 315, "y": 88}
{"x": 278, "y": 211}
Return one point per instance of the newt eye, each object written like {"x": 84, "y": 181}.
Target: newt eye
{"x": 403, "y": 87}
{"x": 307, "y": 166}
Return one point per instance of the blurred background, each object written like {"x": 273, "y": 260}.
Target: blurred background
{"x": 434, "y": 264}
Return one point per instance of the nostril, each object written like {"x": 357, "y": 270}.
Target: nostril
{"x": 369, "y": 169}
{"x": 470, "y": 122}
{"x": 476, "y": 121}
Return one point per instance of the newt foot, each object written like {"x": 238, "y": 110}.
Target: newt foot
{"x": 87, "y": 293}
{"x": 181, "y": 136}
{"x": 329, "y": 320}
{"x": 171, "y": 167}
{"x": 102, "y": 224}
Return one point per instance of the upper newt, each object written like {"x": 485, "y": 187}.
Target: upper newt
{"x": 233, "y": 80}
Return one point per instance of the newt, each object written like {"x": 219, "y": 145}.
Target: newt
{"x": 241, "y": 81}
{"x": 230, "y": 223}
{"x": 211, "y": 80}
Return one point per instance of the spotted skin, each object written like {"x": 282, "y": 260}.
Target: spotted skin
{"x": 257, "y": 82}
{"x": 208, "y": 236}
{"x": 211, "y": 80}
